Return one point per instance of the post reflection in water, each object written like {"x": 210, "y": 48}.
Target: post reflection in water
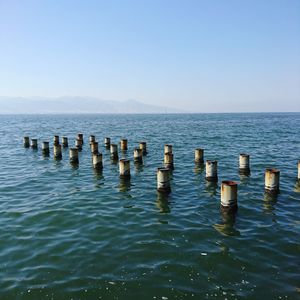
{"x": 199, "y": 168}
{"x": 171, "y": 174}
{"x": 114, "y": 161}
{"x": 245, "y": 179}
{"x": 74, "y": 165}
{"x": 46, "y": 154}
{"x": 98, "y": 174}
{"x": 297, "y": 186}
{"x": 269, "y": 202}
{"x": 99, "y": 179}
{"x": 162, "y": 202}
{"x": 124, "y": 154}
{"x": 211, "y": 187}
{"x": 226, "y": 225}
{"x": 138, "y": 167}
{"x": 57, "y": 162}
{"x": 124, "y": 185}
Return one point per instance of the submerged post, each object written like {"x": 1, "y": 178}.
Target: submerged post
{"x": 299, "y": 170}
{"x": 74, "y": 156}
{"x": 26, "y": 141}
{"x": 107, "y": 142}
{"x": 78, "y": 144}
{"x": 97, "y": 161}
{"x": 163, "y": 180}
{"x": 114, "y": 151}
{"x": 272, "y": 177}
{"x": 65, "y": 142}
{"x": 123, "y": 144}
{"x": 80, "y": 137}
{"x": 211, "y": 170}
{"x": 168, "y": 160}
{"x": 143, "y": 147}
{"x": 45, "y": 148}
{"x": 199, "y": 156}
{"x": 244, "y": 164}
{"x": 138, "y": 155}
{"x": 229, "y": 195}
{"x": 94, "y": 147}
{"x": 57, "y": 151}
{"x": 168, "y": 149}
{"x": 34, "y": 144}
{"x": 124, "y": 168}
{"x": 56, "y": 140}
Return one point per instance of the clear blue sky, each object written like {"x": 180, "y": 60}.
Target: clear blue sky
{"x": 197, "y": 55}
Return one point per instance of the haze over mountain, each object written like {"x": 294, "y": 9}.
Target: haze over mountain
{"x": 69, "y": 104}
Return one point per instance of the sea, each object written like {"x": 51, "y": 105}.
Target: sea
{"x": 71, "y": 232}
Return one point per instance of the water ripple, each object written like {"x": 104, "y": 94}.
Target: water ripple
{"x": 73, "y": 233}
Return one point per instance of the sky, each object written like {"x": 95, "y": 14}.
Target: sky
{"x": 199, "y": 56}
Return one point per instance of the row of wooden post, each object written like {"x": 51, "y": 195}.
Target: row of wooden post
{"x": 228, "y": 188}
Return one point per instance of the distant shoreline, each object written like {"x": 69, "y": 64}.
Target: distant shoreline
{"x": 127, "y": 114}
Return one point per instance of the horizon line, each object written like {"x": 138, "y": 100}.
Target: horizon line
{"x": 163, "y": 113}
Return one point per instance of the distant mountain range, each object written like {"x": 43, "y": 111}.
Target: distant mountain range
{"x": 41, "y": 105}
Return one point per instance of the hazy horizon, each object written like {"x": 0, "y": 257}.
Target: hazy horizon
{"x": 196, "y": 56}
{"x": 92, "y": 105}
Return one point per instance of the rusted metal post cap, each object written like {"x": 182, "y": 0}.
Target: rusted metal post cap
{"x": 211, "y": 170}
{"x": 56, "y": 140}
{"x": 26, "y": 141}
{"x": 199, "y": 156}
{"x": 229, "y": 195}
{"x": 143, "y": 147}
{"x": 272, "y": 177}
{"x": 244, "y": 164}
{"x": 97, "y": 161}
{"x": 57, "y": 151}
{"x": 78, "y": 144}
{"x": 124, "y": 168}
{"x": 107, "y": 142}
{"x": 94, "y": 147}
{"x": 168, "y": 148}
{"x": 64, "y": 142}
{"x": 163, "y": 180}
{"x": 34, "y": 144}
{"x": 168, "y": 160}
{"x": 92, "y": 138}
{"x": 114, "y": 151}
{"x": 45, "y": 148}
{"x": 123, "y": 144}
{"x": 73, "y": 152}
{"x": 138, "y": 155}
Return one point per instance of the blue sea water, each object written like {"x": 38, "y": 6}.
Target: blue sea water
{"x": 73, "y": 233}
